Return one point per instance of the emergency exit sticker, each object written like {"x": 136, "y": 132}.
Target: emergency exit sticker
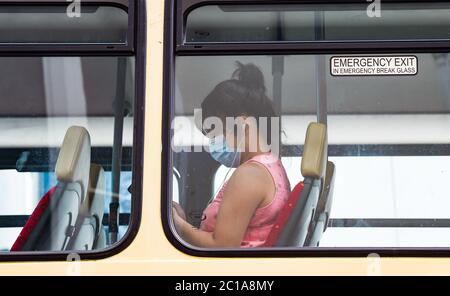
{"x": 374, "y": 65}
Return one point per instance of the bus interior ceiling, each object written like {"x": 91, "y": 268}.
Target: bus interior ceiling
{"x": 291, "y": 22}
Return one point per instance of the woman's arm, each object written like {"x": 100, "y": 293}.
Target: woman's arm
{"x": 246, "y": 190}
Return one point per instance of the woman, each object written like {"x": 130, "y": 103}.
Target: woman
{"x": 247, "y": 205}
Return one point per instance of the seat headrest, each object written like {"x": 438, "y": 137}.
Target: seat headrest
{"x": 74, "y": 159}
{"x": 94, "y": 203}
{"x": 314, "y": 159}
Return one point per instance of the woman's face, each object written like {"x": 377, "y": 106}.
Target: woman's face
{"x": 243, "y": 136}
{"x": 240, "y": 133}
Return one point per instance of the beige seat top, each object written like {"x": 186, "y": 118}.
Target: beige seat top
{"x": 314, "y": 159}
{"x": 74, "y": 158}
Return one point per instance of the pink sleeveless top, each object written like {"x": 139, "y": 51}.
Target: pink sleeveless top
{"x": 264, "y": 217}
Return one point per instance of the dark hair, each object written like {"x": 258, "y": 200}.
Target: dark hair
{"x": 242, "y": 95}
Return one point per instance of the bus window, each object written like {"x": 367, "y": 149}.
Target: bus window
{"x": 383, "y": 136}
{"x": 290, "y": 92}
{"x": 298, "y": 22}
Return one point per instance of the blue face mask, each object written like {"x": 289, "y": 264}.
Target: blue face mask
{"x": 222, "y": 153}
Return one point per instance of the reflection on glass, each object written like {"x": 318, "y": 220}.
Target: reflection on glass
{"x": 388, "y": 138}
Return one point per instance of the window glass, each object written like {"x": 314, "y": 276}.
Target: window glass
{"x": 57, "y": 111}
{"x": 56, "y": 24}
{"x": 310, "y": 22}
{"x": 388, "y": 138}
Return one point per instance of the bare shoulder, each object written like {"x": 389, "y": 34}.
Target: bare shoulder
{"x": 252, "y": 177}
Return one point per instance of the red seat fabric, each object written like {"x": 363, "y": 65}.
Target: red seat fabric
{"x": 33, "y": 221}
{"x": 284, "y": 215}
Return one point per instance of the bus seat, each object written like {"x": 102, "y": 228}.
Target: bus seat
{"x": 293, "y": 222}
{"x": 52, "y": 223}
{"x": 323, "y": 212}
{"x": 89, "y": 222}
{"x": 101, "y": 239}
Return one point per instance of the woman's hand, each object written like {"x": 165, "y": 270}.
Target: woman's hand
{"x": 235, "y": 212}
{"x": 178, "y": 221}
{"x": 179, "y": 210}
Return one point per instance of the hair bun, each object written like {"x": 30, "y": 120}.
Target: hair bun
{"x": 250, "y": 75}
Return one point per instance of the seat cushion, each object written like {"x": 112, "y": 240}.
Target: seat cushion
{"x": 315, "y": 151}
{"x": 33, "y": 220}
{"x": 284, "y": 215}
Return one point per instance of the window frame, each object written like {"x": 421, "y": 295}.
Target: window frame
{"x": 176, "y": 12}
{"x": 108, "y": 48}
{"x": 138, "y": 22}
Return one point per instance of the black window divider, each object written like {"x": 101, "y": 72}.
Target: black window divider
{"x": 184, "y": 7}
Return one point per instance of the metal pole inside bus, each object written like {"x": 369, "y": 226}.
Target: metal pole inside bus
{"x": 277, "y": 73}
{"x": 278, "y": 67}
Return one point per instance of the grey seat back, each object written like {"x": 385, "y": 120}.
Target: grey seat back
{"x": 56, "y": 226}
{"x": 89, "y": 230}
{"x": 313, "y": 168}
{"x": 323, "y": 211}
